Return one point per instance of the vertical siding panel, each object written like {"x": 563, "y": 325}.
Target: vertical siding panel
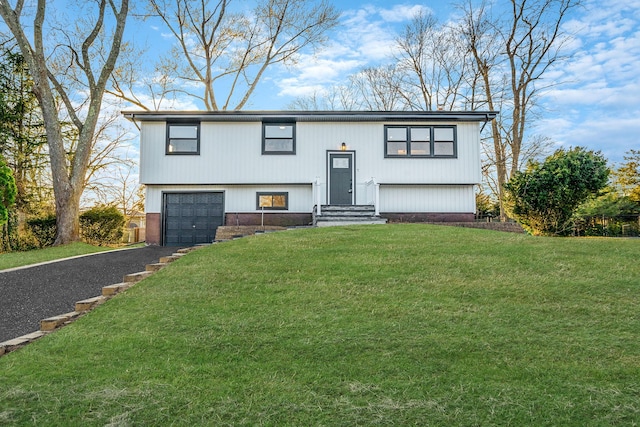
{"x": 445, "y": 199}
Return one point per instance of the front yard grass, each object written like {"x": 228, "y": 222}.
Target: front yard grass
{"x": 345, "y": 326}
{"x": 19, "y": 259}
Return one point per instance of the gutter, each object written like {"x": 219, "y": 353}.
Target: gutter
{"x": 487, "y": 120}
{"x": 311, "y": 116}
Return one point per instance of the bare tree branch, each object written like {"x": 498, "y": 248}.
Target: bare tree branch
{"x": 227, "y": 54}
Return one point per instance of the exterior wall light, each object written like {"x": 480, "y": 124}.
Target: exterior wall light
{"x": 343, "y": 147}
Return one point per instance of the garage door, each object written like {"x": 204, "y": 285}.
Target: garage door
{"x": 191, "y": 218}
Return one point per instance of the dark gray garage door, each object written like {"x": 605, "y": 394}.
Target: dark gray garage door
{"x": 192, "y": 218}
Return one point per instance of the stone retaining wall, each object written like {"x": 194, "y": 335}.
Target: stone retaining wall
{"x": 227, "y": 232}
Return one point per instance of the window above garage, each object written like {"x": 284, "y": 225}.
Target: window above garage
{"x": 279, "y": 138}
{"x": 183, "y": 138}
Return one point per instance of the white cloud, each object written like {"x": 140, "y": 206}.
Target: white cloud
{"x": 314, "y": 77}
{"x": 296, "y": 89}
{"x": 366, "y": 37}
{"x": 596, "y": 101}
{"x": 599, "y": 131}
{"x": 326, "y": 70}
{"x": 403, "y": 12}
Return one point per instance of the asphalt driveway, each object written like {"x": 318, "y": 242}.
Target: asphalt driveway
{"x": 31, "y": 294}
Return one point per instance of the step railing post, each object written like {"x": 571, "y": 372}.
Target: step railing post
{"x": 317, "y": 196}
{"x": 376, "y": 197}
{"x": 375, "y": 187}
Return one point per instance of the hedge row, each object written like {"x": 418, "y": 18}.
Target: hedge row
{"x": 100, "y": 225}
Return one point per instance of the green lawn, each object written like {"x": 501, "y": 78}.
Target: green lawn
{"x": 19, "y": 259}
{"x": 346, "y": 326}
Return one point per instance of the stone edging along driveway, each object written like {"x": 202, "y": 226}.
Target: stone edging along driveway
{"x": 50, "y": 324}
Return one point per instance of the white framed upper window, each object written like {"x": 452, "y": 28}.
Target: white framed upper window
{"x": 278, "y": 138}
{"x": 183, "y": 138}
{"x": 420, "y": 141}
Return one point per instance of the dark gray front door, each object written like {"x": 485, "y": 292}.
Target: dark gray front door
{"x": 340, "y": 178}
{"x": 192, "y": 218}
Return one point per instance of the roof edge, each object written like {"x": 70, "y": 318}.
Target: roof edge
{"x": 250, "y": 116}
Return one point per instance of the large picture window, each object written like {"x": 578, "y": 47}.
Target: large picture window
{"x": 183, "y": 138}
{"x": 420, "y": 141}
{"x": 279, "y": 138}
{"x": 272, "y": 201}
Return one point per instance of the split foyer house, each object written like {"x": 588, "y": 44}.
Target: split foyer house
{"x": 206, "y": 169}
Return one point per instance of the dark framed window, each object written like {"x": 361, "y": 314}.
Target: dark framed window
{"x": 272, "y": 201}
{"x": 420, "y": 141}
{"x": 278, "y": 138}
{"x": 183, "y": 138}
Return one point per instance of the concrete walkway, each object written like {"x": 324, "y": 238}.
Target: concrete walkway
{"x": 28, "y": 295}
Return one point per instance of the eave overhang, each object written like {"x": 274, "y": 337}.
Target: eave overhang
{"x": 310, "y": 116}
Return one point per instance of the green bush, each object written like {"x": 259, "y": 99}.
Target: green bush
{"x": 8, "y": 190}
{"x": 544, "y": 197}
{"x": 102, "y": 225}
{"x": 44, "y": 229}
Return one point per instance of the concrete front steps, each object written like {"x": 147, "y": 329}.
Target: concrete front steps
{"x": 347, "y": 215}
{"x": 52, "y": 323}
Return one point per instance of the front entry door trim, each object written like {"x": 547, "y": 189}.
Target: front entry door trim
{"x": 341, "y": 177}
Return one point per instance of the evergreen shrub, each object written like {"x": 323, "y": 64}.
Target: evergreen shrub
{"x": 102, "y": 225}
{"x": 44, "y": 229}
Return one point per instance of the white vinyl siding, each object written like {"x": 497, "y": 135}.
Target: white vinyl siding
{"x": 240, "y": 198}
{"x": 231, "y": 153}
{"x": 442, "y": 198}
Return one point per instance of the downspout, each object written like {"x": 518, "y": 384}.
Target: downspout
{"x": 132, "y": 119}
{"x": 486, "y": 115}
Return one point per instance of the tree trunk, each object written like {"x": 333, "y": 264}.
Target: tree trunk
{"x": 67, "y": 214}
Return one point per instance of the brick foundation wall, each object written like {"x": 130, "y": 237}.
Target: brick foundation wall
{"x": 153, "y": 232}
{"x": 274, "y": 219}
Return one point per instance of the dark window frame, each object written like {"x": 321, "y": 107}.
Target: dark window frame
{"x": 169, "y": 139}
{"x": 431, "y": 141}
{"x": 272, "y": 194}
{"x": 265, "y": 139}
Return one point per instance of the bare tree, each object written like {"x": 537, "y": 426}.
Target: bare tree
{"x": 148, "y": 89}
{"x": 378, "y": 88}
{"x": 332, "y": 98}
{"x": 110, "y": 153}
{"x": 70, "y": 55}
{"x": 433, "y": 64}
{"x": 120, "y": 189}
{"x": 511, "y": 54}
{"x": 221, "y": 55}
{"x": 427, "y": 72}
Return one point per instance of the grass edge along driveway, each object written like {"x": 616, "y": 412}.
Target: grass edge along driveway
{"x": 344, "y": 326}
{"x": 11, "y": 260}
